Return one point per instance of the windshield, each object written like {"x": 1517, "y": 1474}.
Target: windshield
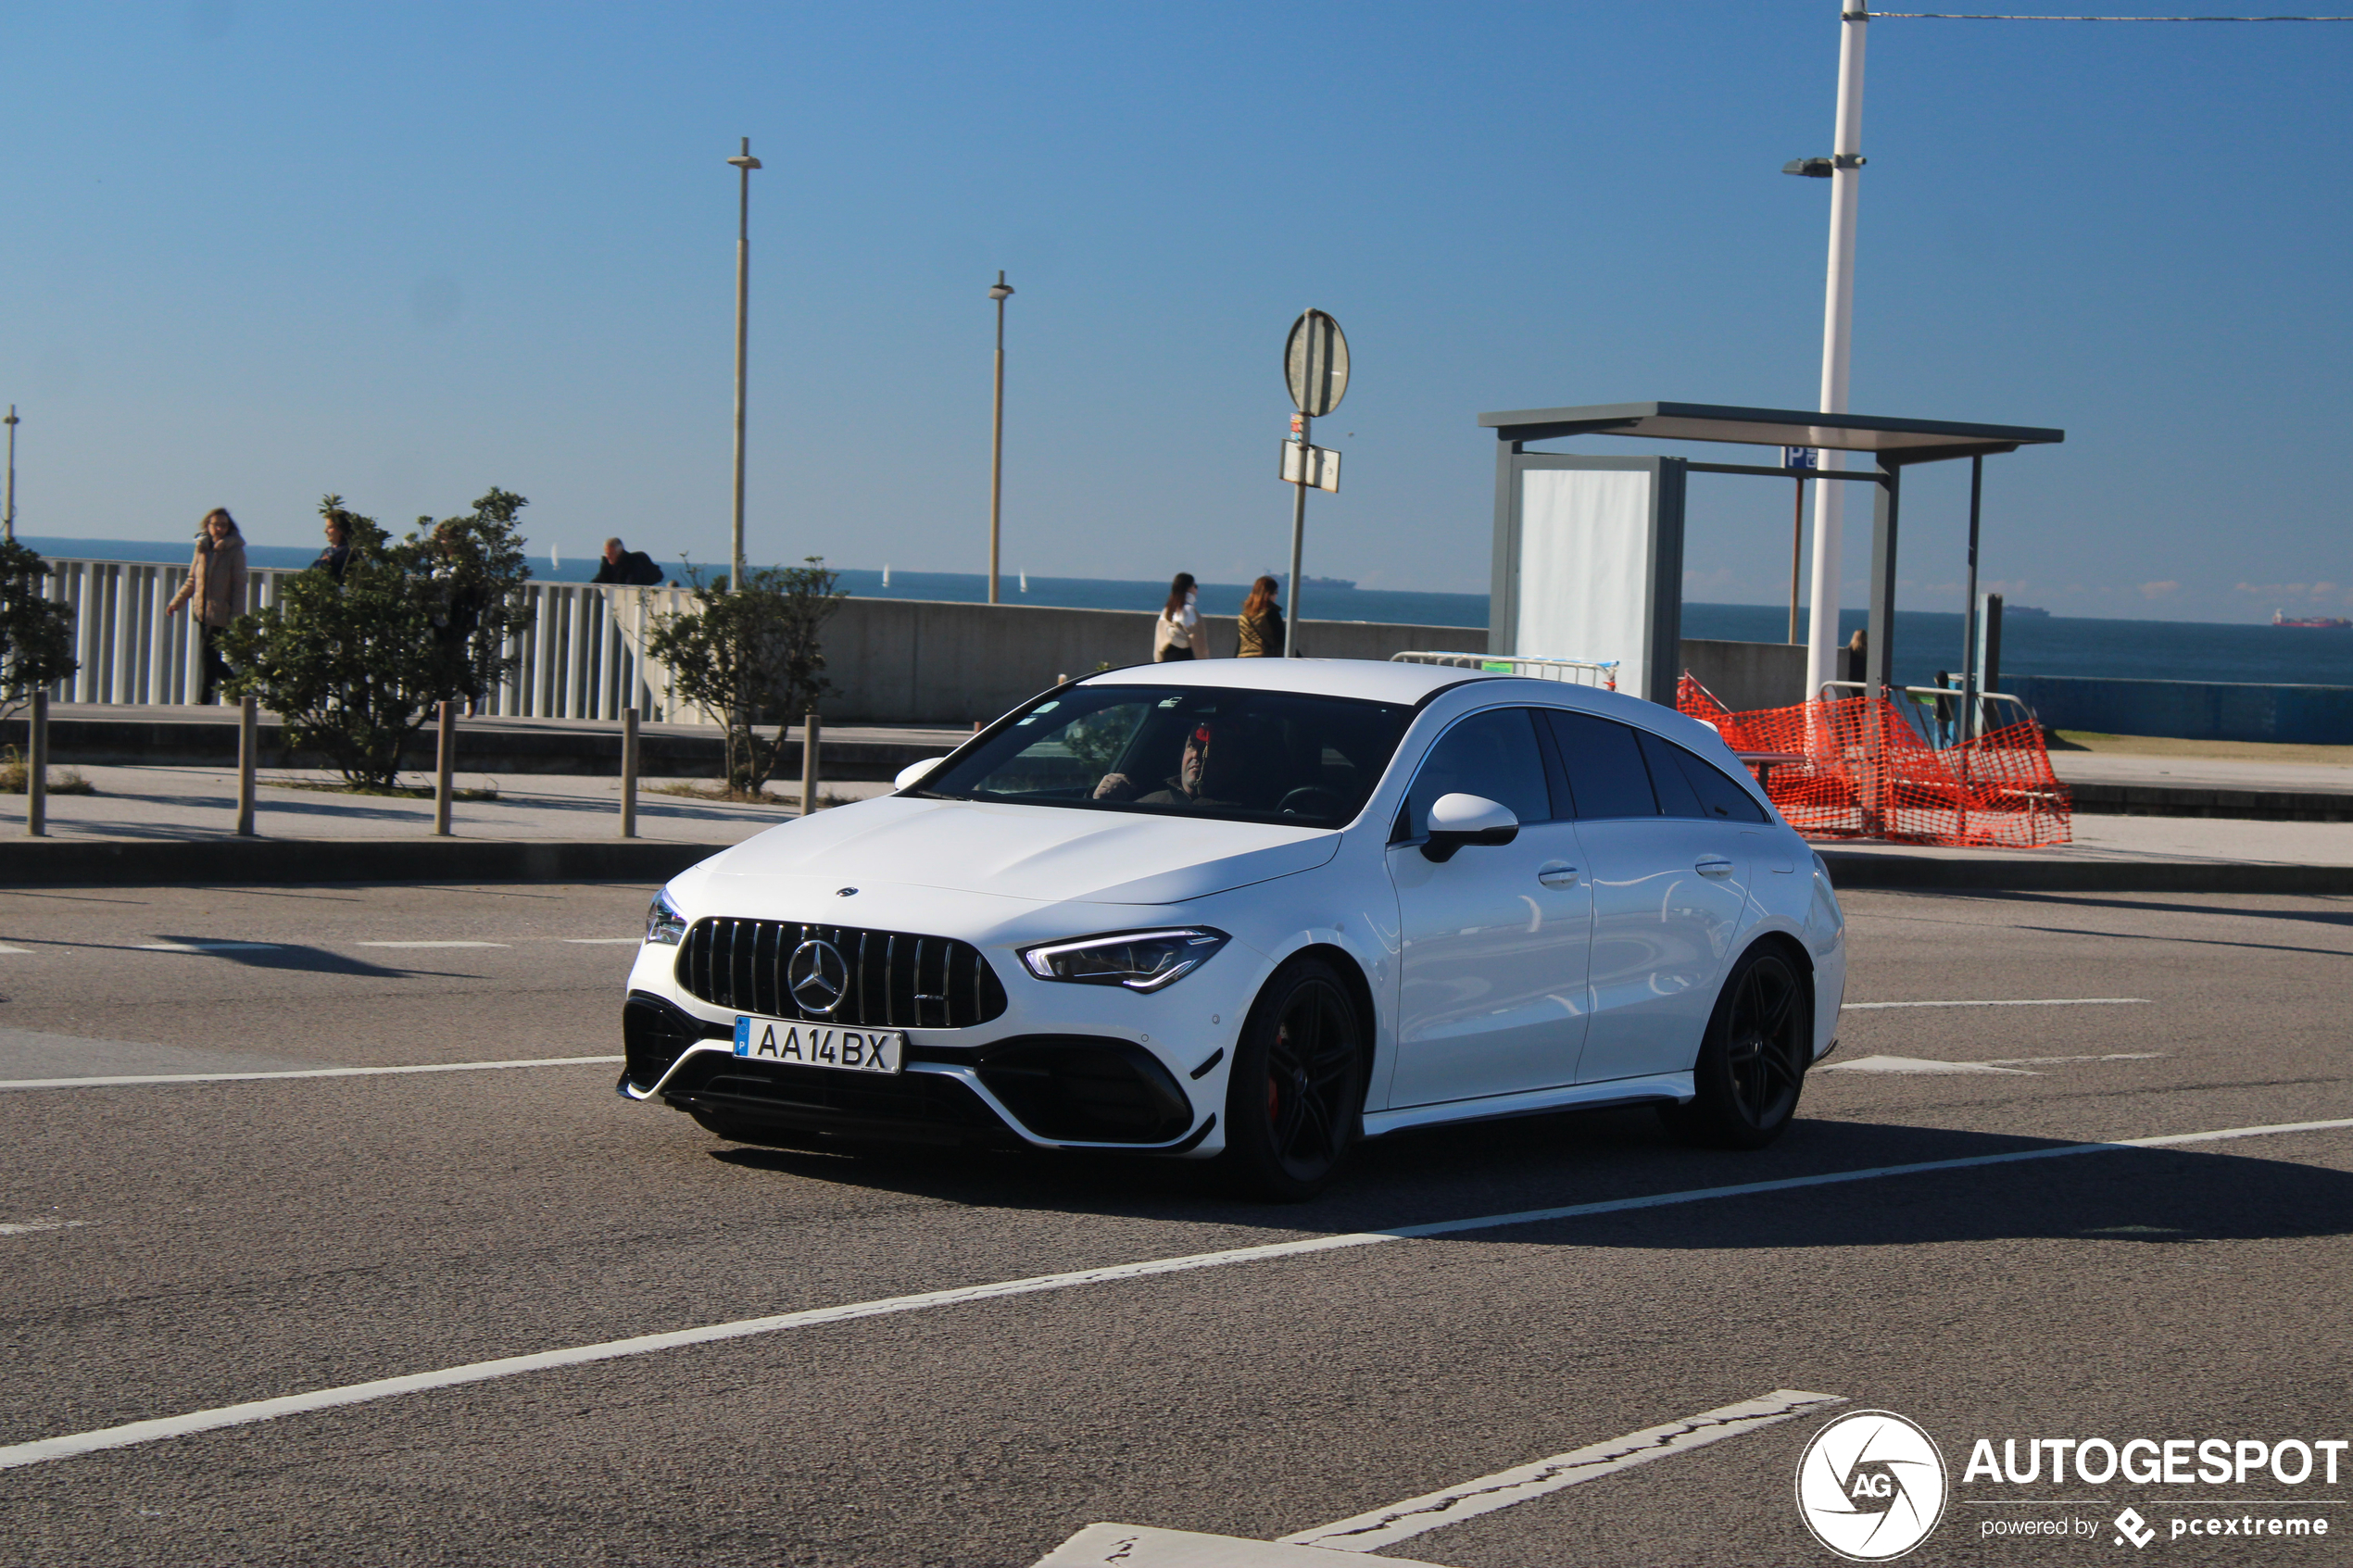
{"x": 1258, "y": 757}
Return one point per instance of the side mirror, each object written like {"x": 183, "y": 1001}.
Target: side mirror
{"x": 1457, "y": 819}
{"x": 914, "y": 773}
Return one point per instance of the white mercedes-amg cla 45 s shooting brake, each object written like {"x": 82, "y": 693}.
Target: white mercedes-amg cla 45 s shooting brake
{"x": 1256, "y": 909}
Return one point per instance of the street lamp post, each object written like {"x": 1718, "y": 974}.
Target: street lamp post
{"x": 9, "y": 507}
{"x": 1000, "y": 292}
{"x": 1844, "y": 169}
{"x": 744, "y": 163}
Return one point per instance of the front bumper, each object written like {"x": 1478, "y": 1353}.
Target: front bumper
{"x": 1048, "y": 1091}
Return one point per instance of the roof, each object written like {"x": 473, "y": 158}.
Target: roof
{"x": 1373, "y": 680}
{"x": 1897, "y": 440}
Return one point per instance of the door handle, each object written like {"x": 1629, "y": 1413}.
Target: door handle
{"x": 1714, "y": 866}
{"x": 1556, "y": 874}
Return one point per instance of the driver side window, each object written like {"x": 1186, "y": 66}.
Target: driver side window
{"x": 1493, "y": 754}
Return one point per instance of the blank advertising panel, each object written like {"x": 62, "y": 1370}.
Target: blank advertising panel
{"x": 1592, "y": 571}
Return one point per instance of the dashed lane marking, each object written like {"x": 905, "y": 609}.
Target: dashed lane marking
{"x": 431, "y": 944}
{"x": 1383, "y": 1527}
{"x": 131, "y": 1432}
{"x": 2112, "y": 1056}
{"x": 1922, "y": 1064}
{"x": 6, "y": 948}
{"x": 2029, "y": 1003}
{"x": 602, "y": 941}
{"x": 119, "y": 1079}
{"x": 28, "y": 1228}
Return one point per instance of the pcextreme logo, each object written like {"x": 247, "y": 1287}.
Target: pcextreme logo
{"x": 1871, "y": 1485}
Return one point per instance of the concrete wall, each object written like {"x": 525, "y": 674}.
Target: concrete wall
{"x": 2190, "y": 709}
{"x": 927, "y": 661}
{"x": 1748, "y": 675}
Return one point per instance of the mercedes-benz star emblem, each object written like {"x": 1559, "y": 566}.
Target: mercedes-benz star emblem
{"x": 817, "y": 976}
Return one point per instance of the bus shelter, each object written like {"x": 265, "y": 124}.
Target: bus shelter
{"x": 1588, "y": 549}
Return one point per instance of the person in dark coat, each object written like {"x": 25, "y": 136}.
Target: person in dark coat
{"x": 626, "y": 568}
{"x": 337, "y": 555}
{"x": 1260, "y": 634}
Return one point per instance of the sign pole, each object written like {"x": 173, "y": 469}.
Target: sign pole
{"x": 1298, "y": 533}
{"x": 1970, "y": 716}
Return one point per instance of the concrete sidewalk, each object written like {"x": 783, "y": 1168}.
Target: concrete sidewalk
{"x": 176, "y": 825}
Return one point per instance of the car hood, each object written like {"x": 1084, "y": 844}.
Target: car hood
{"x": 1040, "y": 853}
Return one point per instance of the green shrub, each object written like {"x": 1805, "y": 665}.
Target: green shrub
{"x": 751, "y": 658}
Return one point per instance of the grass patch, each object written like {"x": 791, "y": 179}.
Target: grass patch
{"x": 15, "y": 774}
{"x": 404, "y": 792}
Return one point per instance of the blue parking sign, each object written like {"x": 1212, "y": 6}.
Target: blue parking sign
{"x": 1801, "y": 457}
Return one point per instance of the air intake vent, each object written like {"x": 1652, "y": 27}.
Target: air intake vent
{"x": 886, "y": 979}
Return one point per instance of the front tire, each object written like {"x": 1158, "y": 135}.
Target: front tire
{"x": 1295, "y": 1101}
{"x": 1752, "y": 1066}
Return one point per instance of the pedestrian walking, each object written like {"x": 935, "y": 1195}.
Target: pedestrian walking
{"x": 216, "y": 585}
{"x": 627, "y": 567}
{"x": 1179, "y": 628}
{"x": 337, "y": 555}
{"x": 1259, "y": 635}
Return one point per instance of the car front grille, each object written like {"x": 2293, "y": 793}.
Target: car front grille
{"x": 894, "y": 980}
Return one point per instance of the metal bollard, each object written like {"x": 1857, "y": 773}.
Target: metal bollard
{"x": 808, "y": 737}
{"x": 628, "y": 772}
{"x": 246, "y": 735}
{"x": 36, "y": 777}
{"x": 442, "y": 767}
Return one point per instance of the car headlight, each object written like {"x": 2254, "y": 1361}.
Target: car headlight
{"x": 664, "y": 924}
{"x": 1142, "y": 960}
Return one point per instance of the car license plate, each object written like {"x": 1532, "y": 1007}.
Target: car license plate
{"x": 818, "y": 1045}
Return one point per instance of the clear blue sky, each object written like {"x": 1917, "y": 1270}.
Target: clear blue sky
{"x": 252, "y": 253}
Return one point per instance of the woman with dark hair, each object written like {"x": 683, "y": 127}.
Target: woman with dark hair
{"x": 216, "y": 582}
{"x": 1179, "y": 623}
{"x": 1260, "y": 634}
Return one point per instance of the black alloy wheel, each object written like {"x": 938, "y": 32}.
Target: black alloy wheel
{"x": 1752, "y": 1066}
{"x": 1296, "y": 1101}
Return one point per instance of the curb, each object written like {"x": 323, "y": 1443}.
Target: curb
{"x": 2192, "y": 801}
{"x": 1851, "y": 871}
{"x": 69, "y": 862}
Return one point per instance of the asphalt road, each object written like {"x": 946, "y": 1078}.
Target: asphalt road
{"x": 171, "y": 1248}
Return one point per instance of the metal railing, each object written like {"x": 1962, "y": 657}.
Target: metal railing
{"x": 1925, "y": 700}
{"x": 1576, "y": 671}
{"x": 582, "y": 652}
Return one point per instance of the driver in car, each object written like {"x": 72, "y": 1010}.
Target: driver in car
{"x": 1205, "y": 774}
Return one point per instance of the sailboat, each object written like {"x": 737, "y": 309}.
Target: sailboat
{"x": 1024, "y": 581}
{"x": 886, "y": 574}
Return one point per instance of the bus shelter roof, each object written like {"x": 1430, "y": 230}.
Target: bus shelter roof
{"x": 1894, "y": 441}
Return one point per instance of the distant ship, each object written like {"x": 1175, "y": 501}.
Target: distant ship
{"x": 1326, "y": 581}
{"x": 2026, "y": 609}
{"x": 2323, "y": 622}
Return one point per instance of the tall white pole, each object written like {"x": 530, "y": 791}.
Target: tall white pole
{"x": 8, "y": 509}
{"x": 1838, "y": 336}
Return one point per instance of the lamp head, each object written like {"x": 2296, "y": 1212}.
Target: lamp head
{"x": 744, "y": 160}
{"x": 1002, "y": 290}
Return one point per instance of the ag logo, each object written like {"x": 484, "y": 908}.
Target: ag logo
{"x": 1870, "y": 1486}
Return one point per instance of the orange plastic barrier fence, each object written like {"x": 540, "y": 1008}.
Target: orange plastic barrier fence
{"x": 1854, "y": 768}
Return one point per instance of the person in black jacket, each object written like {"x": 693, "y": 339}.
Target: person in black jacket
{"x": 631, "y": 569}
{"x": 337, "y": 555}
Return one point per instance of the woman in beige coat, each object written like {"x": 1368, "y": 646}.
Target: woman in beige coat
{"x": 217, "y": 584}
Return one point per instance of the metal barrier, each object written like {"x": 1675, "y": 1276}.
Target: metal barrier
{"x": 1924, "y": 700}
{"x": 582, "y": 653}
{"x": 1576, "y": 671}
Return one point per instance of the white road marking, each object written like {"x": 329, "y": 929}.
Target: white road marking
{"x": 1401, "y": 1522}
{"x": 2038, "y": 1002}
{"x": 206, "y": 946}
{"x": 4, "y": 948}
{"x": 431, "y": 944}
{"x": 1919, "y": 1065}
{"x": 2114, "y": 1056}
{"x": 119, "y": 1080}
{"x": 603, "y": 941}
{"x": 27, "y": 1227}
{"x": 35, "y": 1452}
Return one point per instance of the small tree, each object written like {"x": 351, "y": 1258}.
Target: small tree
{"x": 751, "y": 657}
{"x": 36, "y": 632}
{"x": 354, "y": 669}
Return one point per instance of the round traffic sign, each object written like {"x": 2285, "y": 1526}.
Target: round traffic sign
{"x": 1316, "y": 364}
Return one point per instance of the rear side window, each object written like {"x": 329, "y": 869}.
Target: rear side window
{"x": 1605, "y": 771}
{"x": 1721, "y": 799}
{"x": 1675, "y": 797}
{"x": 1491, "y": 754}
